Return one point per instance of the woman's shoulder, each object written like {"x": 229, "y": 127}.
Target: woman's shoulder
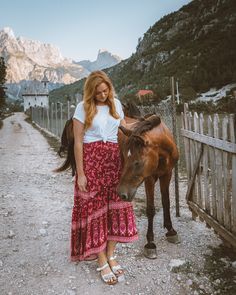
{"x": 117, "y": 102}
{"x": 81, "y": 103}
{"x": 79, "y": 112}
{"x": 119, "y": 107}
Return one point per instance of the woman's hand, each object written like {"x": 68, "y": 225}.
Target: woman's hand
{"x": 82, "y": 182}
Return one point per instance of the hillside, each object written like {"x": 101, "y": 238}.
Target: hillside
{"x": 196, "y": 45}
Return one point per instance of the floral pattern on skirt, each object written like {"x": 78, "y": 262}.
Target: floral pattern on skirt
{"x": 100, "y": 215}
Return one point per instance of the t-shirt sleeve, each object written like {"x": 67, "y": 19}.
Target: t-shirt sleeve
{"x": 119, "y": 109}
{"x": 79, "y": 112}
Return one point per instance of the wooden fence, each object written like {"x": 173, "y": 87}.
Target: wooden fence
{"x": 210, "y": 151}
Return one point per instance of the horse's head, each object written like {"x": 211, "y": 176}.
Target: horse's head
{"x": 131, "y": 110}
{"x": 140, "y": 158}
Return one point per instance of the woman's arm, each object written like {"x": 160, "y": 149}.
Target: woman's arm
{"x": 78, "y": 129}
{"x": 128, "y": 125}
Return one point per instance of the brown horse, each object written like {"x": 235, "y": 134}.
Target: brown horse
{"x": 148, "y": 153}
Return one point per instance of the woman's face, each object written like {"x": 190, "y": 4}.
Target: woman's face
{"x": 101, "y": 94}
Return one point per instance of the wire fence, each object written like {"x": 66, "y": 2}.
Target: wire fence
{"x": 52, "y": 119}
{"x": 162, "y": 110}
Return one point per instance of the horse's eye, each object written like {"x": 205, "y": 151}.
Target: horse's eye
{"x": 136, "y": 163}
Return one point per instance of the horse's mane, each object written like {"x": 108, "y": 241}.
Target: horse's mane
{"x": 135, "y": 140}
{"x": 147, "y": 125}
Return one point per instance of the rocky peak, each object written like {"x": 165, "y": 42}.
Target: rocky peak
{"x": 40, "y": 53}
{"x": 7, "y": 32}
{"x": 105, "y": 59}
{"x": 27, "y": 60}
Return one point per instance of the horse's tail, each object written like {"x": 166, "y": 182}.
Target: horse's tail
{"x": 67, "y": 144}
{"x": 65, "y": 137}
{"x": 70, "y": 160}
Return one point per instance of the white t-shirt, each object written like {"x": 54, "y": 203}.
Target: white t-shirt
{"x": 104, "y": 127}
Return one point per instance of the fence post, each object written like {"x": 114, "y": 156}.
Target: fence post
{"x": 43, "y": 118}
{"x": 56, "y": 129}
{"x": 233, "y": 204}
{"x": 173, "y": 104}
{"x": 68, "y": 109}
{"x": 61, "y": 119}
{"x": 48, "y": 118}
{"x": 52, "y": 117}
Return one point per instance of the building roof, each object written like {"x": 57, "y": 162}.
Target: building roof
{"x": 35, "y": 87}
{"x": 144, "y": 92}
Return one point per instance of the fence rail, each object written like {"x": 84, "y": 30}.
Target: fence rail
{"x": 210, "y": 151}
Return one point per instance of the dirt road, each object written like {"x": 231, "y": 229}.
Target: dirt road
{"x": 35, "y": 216}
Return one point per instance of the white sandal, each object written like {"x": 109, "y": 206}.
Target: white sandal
{"x": 107, "y": 278}
{"x": 116, "y": 269}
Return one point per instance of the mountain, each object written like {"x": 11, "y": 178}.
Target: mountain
{"x": 27, "y": 60}
{"x": 196, "y": 45}
{"x": 104, "y": 60}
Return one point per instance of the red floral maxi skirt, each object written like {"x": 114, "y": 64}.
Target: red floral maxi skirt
{"x": 99, "y": 214}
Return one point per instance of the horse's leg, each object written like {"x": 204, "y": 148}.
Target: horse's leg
{"x": 150, "y": 247}
{"x": 171, "y": 235}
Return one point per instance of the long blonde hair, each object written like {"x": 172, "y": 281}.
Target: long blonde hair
{"x": 92, "y": 82}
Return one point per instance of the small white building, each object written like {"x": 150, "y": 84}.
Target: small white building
{"x": 36, "y": 94}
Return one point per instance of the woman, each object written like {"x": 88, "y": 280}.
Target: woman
{"x": 100, "y": 218}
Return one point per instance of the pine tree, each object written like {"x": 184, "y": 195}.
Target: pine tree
{"x": 2, "y": 81}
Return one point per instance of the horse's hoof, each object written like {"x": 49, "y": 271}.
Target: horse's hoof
{"x": 150, "y": 251}
{"x": 173, "y": 239}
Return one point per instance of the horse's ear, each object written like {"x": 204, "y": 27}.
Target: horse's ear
{"x": 125, "y": 131}
{"x": 139, "y": 140}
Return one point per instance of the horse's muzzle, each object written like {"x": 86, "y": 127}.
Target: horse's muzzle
{"x": 125, "y": 195}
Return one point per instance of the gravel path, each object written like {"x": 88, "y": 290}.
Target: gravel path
{"x": 35, "y": 216}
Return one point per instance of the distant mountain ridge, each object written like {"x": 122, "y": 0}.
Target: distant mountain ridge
{"x": 29, "y": 59}
{"x": 104, "y": 60}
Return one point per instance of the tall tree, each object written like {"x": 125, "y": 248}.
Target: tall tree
{"x": 3, "y": 73}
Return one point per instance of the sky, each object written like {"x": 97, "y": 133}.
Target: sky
{"x": 79, "y": 28}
